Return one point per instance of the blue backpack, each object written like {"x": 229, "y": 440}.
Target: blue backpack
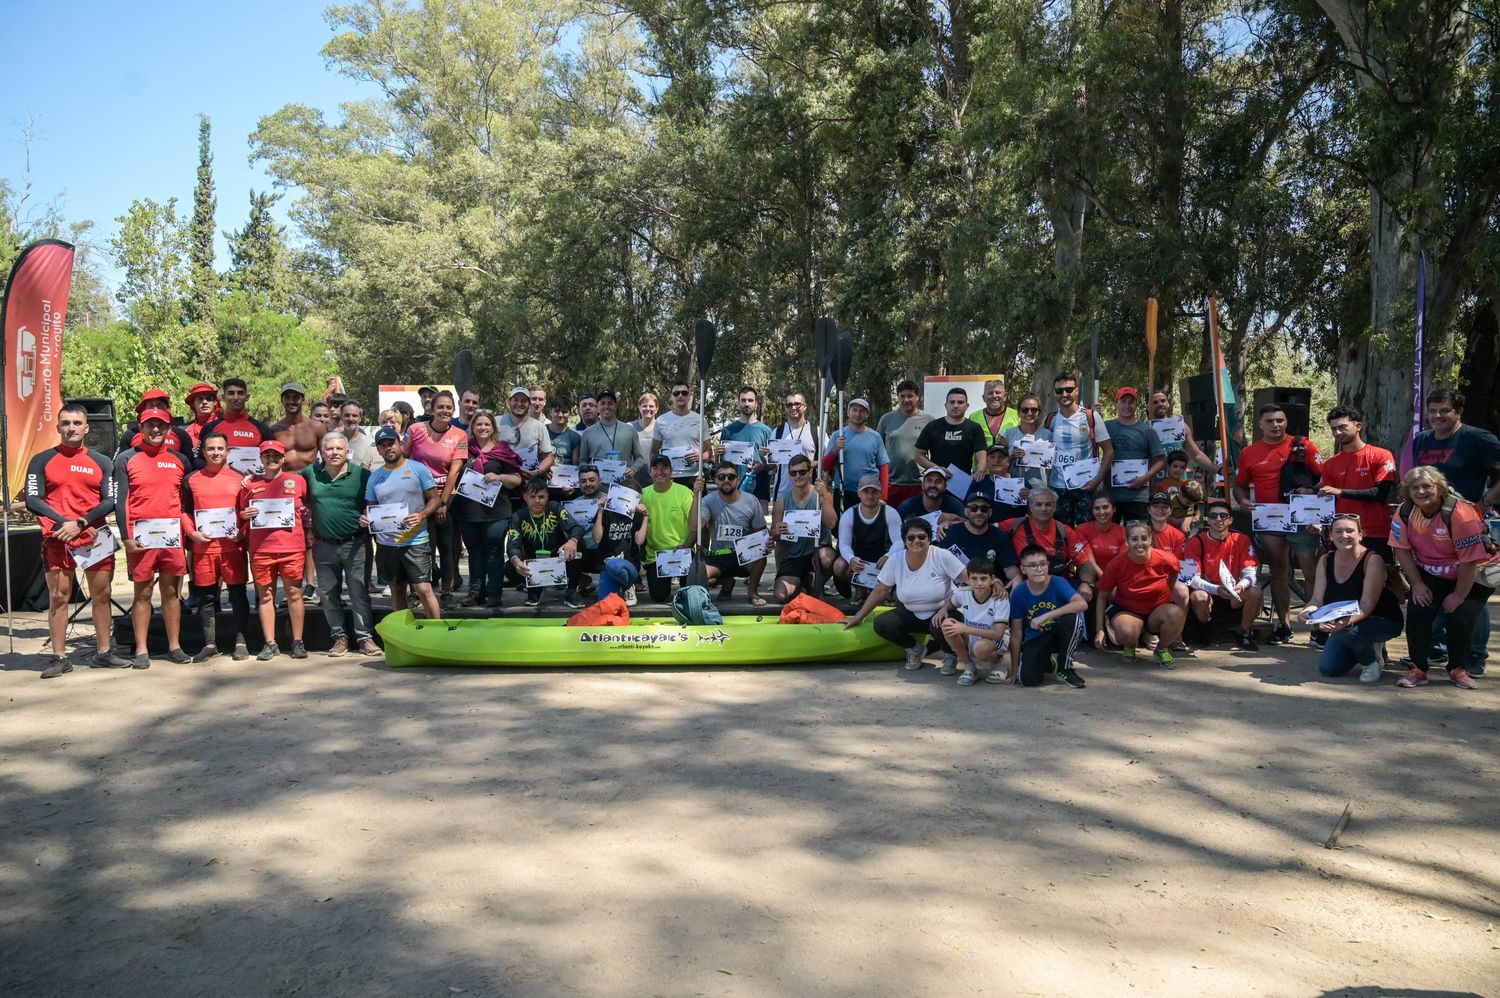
{"x": 694, "y": 605}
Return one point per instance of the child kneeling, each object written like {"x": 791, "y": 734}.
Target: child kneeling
{"x": 976, "y": 624}
{"x": 1046, "y": 623}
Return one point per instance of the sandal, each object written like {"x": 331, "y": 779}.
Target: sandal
{"x": 757, "y": 600}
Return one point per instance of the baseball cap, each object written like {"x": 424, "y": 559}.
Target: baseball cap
{"x": 202, "y": 388}
{"x": 159, "y": 413}
{"x": 272, "y": 445}
{"x": 860, "y": 400}
{"x": 606, "y": 393}
{"x": 869, "y": 482}
{"x": 1160, "y": 497}
{"x": 977, "y": 496}
{"x": 154, "y": 399}
{"x": 292, "y": 386}
{"x": 519, "y": 390}
{"x": 661, "y": 459}
{"x": 936, "y": 471}
{"x": 427, "y": 390}
{"x": 386, "y": 433}
{"x": 998, "y": 445}
{"x": 1126, "y": 390}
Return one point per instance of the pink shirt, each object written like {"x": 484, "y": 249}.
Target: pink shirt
{"x": 436, "y": 455}
{"x": 1437, "y": 551}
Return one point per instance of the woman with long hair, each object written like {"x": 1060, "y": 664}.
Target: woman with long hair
{"x": 1353, "y": 573}
{"x": 484, "y": 526}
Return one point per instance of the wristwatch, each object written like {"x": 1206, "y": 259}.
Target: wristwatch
{"x": 82, "y": 523}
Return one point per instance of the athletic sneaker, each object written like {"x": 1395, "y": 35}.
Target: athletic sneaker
{"x": 268, "y": 651}
{"x": 240, "y": 653}
{"x": 473, "y": 599}
{"x": 967, "y": 679}
{"x": 534, "y": 597}
{"x": 1071, "y": 678}
{"x": 1180, "y": 647}
{"x": 572, "y": 600}
{"x": 1246, "y": 641}
{"x": 1371, "y": 673}
{"x": 205, "y": 653}
{"x": 949, "y": 666}
{"x": 340, "y": 647}
{"x": 630, "y": 596}
{"x": 914, "y": 658}
{"x": 299, "y": 650}
{"x": 108, "y": 660}
{"x": 1462, "y": 679}
{"x": 141, "y": 662}
{"x": 1438, "y": 658}
{"x": 178, "y": 656}
{"x": 56, "y": 666}
{"x": 1476, "y": 669}
{"x": 1414, "y": 677}
{"x": 1281, "y": 635}
{"x": 1319, "y": 639}
{"x": 1163, "y": 658}
{"x": 369, "y": 647}
{"x": 586, "y": 587}
{"x": 1128, "y": 654}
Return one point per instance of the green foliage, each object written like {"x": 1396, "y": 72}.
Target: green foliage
{"x": 107, "y": 362}
{"x": 259, "y": 257}
{"x": 205, "y": 282}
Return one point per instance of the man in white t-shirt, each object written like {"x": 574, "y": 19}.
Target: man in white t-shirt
{"x": 679, "y": 434}
{"x": 527, "y": 435}
{"x": 1078, "y": 434}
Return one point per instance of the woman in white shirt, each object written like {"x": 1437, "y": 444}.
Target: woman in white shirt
{"x": 923, "y": 578}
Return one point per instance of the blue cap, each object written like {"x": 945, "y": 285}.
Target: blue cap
{"x": 386, "y": 433}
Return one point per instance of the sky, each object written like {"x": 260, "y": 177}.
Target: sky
{"x": 112, "y": 92}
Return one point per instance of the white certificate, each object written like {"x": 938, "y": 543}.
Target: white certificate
{"x": 783, "y": 450}
{"x": 752, "y": 547}
{"x": 673, "y": 564}
{"x": 1334, "y": 611}
{"x": 933, "y": 519}
{"x": 163, "y": 533}
{"x": 1171, "y": 430}
{"x": 1035, "y": 453}
{"x": 564, "y": 476}
{"x": 679, "y": 459}
{"x": 582, "y": 509}
{"x": 1122, "y": 473}
{"x": 1311, "y": 511}
{"x": 546, "y": 572}
{"x": 246, "y": 460}
{"x": 868, "y": 577}
{"x": 86, "y": 556}
{"x": 622, "y": 499}
{"x": 1227, "y": 579}
{"x": 1008, "y": 491}
{"x": 959, "y": 482}
{"x": 740, "y": 452}
{"x": 1079, "y": 473}
{"x": 529, "y": 458}
{"x": 612, "y": 471}
{"x": 803, "y": 522}
{"x": 216, "y": 523}
{"x": 387, "y": 517}
{"x": 1272, "y": 517}
{"x": 473, "y": 487}
{"x": 272, "y": 514}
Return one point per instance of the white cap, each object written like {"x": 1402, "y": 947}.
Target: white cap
{"x": 861, "y": 400}
{"x": 519, "y": 390}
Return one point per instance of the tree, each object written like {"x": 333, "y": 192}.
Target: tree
{"x": 259, "y": 260}
{"x": 204, "y": 281}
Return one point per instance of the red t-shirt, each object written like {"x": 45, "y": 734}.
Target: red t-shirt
{"x": 1169, "y": 539}
{"x": 1363, "y": 469}
{"x": 148, "y": 485}
{"x": 243, "y": 430}
{"x": 1105, "y": 544}
{"x": 1260, "y": 467}
{"x": 436, "y": 454}
{"x": 277, "y": 540}
{"x": 72, "y": 482}
{"x": 220, "y": 490}
{"x": 1020, "y": 537}
{"x": 1438, "y": 551}
{"x": 1141, "y": 588}
{"x": 1234, "y": 552}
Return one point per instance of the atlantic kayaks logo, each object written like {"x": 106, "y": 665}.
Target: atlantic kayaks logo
{"x": 651, "y": 639}
{"x": 25, "y": 363}
{"x": 717, "y": 637}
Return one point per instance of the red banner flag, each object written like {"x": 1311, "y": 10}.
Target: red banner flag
{"x": 36, "y": 306}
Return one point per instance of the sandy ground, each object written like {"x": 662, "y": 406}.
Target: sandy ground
{"x": 335, "y": 827}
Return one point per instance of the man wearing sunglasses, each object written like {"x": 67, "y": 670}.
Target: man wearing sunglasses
{"x": 797, "y": 427}
{"x": 1078, "y": 433}
{"x": 1218, "y": 556}
{"x": 731, "y": 514}
{"x": 976, "y": 537}
{"x": 678, "y": 428}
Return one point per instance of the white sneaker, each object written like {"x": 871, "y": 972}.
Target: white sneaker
{"x": 949, "y": 666}
{"x": 1371, "y": 673}
{"x": 630, "y": 596}
{"x": 914, "y": 658}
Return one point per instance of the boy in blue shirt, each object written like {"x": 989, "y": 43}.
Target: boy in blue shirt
{"x": 1046, "y": 623}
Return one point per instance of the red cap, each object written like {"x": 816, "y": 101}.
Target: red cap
{"x": 274, "y": 445}
{"x": 202, "y": 388}
{"x": 154, "y": 399}
{"x": 161, "y": 413}
{"x": 1127, "y": 390}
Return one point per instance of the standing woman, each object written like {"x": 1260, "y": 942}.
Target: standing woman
{"x": 1135, "y": 594}
{"x": 646, "y": 407}
{"x": 1352, "y": 572}
{"x": 441, "y": 448}
{"x": 1030, "y": 430}
{"x": 922, "y": 577}
{"x": 484, "y": 527}
{"x": 1438, "y": 538}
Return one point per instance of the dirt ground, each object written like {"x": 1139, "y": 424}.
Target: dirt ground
{"x": 333, "y": 827}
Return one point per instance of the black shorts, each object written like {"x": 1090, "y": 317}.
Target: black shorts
{"x": 727, "y": 566}
{"x": 795, "y": 568}
{"x": 1113, "y": 610}
{"x": 404, "y": 565}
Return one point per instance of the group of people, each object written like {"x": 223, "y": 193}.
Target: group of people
{"x": 1006, "y": 531}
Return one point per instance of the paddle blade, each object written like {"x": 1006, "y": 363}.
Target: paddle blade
{"x": 825, "y": 337}
{"x": 1151, "y": 326}
{"x": 463, "y": 371}
{"x": 705, "y": 336}
{"x": 845, "y": 361}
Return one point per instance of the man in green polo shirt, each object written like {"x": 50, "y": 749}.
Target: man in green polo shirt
{"x": 996, "y": 417}
{"x": 671, "y": 512}
{"x": 341, "y": 547}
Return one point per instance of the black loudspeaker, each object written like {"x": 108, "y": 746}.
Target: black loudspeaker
{"x": 1198, "y": 405}
{"x": 28, "y": 584}
{"x": 1296, "y": 401}
{"x": 104, "y": 432}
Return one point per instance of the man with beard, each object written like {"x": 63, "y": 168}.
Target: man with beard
{"x": 611, "y": 440}
{"x": 755, "y": 477}
{"x": 996, "y": 417}
{"x": 856, "y": 453}
{"x": 297, "y": 433}
{"x": 900, "y": 428}
{"x": 729, "y": 514}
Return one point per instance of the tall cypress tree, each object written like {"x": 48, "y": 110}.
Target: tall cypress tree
{"x": 201, "y": 233}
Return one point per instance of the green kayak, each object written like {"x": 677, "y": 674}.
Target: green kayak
{"x": 526, "y": 641}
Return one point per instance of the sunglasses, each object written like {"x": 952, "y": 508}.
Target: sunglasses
{"x": 796, "y": 405}
{"x": 977, "y": 508}
{"x": 1219, "y": 516}
{"x": 801, "y": 471}
{"x": 1065, "y": 391}
{"x": 910, "y": 538}
{"x": 726, "y": 478}
{"x": 1136, "y": 523}
{"x": 1030, "y": 409}
{"x": 679, "y": 394}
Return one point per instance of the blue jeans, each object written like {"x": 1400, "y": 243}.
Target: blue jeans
{"x": 1480, "y": 643}
{"x": 618, "y": 575}
{"x": 1355, "y": 645}
{"x": 485, "y": 540}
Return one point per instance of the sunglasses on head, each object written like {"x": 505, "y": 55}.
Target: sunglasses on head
{"x": 1136, "y": 523}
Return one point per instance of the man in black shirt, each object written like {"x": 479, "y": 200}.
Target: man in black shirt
{"x": 953, "y": 439}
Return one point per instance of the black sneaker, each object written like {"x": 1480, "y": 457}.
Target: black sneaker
{"x": 268, "y": 651}
{"x": 178, "y": 656}
{"x": 1246, "y": 641}
{"x": 141, "y": 662}
{"x": 534, "y": 598}
{"x": 299, "y": 650}
{"x": 571, "y": 600}
{"x": 1282, "y": 635}
{"x": 56, "y": 666}
{"x": 108, "y": 660}
{"x": 1319, "y": 639}
{"x": 240, "y": 653}
{"x": 473, "y": 599}
{"x": 205, "y": 653}
{"x": 1071, "y": 678}
{"x": 1476, "y": 668}
{"x": 1437, "y": 658}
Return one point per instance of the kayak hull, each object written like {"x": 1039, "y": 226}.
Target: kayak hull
{"x": 544, "y": 643}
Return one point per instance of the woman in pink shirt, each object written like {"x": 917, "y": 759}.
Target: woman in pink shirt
{"x": 442, "y": 448}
